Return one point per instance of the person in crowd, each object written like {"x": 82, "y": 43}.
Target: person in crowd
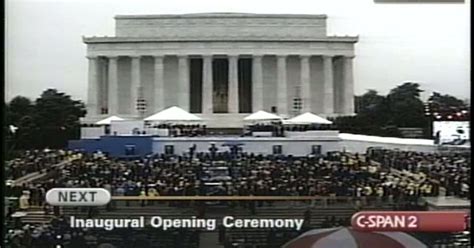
{"x": 24, "y": 200}
{"x": 183, "y": 130}
{"x": 31, "y": 161}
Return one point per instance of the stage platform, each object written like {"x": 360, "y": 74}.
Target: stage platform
{"x": 294, "y": 143}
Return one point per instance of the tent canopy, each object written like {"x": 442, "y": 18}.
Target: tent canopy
{"x": 173, "y": 114}
{"x": 307, "y": 118}
{"x": 262, "y": 116}
{"x": 109, "y": 120}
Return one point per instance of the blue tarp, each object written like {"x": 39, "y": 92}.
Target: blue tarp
{"x": 115, "y": 146}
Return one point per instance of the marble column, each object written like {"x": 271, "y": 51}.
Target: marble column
{"x": 233, "y": 103}
{"x": 159, "y": 84}
{"x": 257, "y": 83}
{"x": 348, "y": 86}
{"x": 183, "y": 82}
{"x": 282, "y": 89}
{"x": 207, "y": 107}
{"x": 113, "y": 86}
{"x": 305, "y": 83}
{"x": 93, "y": 90}
{"x": 135, "y": 89}
{"x": 328, "y": 103}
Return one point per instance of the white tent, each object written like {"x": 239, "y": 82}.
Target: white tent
{"x": 109, "y": 120}
{"x": 173, "y": 114}
{"x": 262, "y": 116}
{"x": 307, "y": 118}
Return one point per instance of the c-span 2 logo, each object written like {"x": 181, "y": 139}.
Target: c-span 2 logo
{"x": 411, "y": 221}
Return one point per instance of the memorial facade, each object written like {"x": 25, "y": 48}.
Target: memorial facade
{"x": 220, "y": 66}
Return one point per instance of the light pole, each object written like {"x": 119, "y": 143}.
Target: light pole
{"x": 141, "y": 106}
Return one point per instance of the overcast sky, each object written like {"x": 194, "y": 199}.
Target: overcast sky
{"x": 425, "y": 43}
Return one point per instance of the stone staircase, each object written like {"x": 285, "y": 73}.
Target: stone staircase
{"x": 36, "y": 215}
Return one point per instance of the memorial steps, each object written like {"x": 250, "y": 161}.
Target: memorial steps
{"x": 36, "y": 215}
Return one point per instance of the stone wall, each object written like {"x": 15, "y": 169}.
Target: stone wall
{"x": 221, "y": 26}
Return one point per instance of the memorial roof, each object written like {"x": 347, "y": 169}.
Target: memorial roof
{"x": 112, "y": 39}
{"x": 221, "y": 15}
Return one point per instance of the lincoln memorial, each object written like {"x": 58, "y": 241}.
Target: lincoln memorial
{"x": 221, "y": 66}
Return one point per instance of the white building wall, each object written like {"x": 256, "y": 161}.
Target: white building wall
{"x": 92, "y": 132}
{"x": 125, "y": 127}
{"x": 298, "y": 146}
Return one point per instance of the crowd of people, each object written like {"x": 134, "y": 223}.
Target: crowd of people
{"x": 451, "y": 170}
{"x": 30, "y": 161}
{"x": 313, "y": 127}
{"x": 332, "y": 175}
{"x": 183, "y": 130}
{"x": 365, "y": 178}
{"x": 278, "y": 129}
{"x": 332, "y": 221}
{"x": 46, "y": 235}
